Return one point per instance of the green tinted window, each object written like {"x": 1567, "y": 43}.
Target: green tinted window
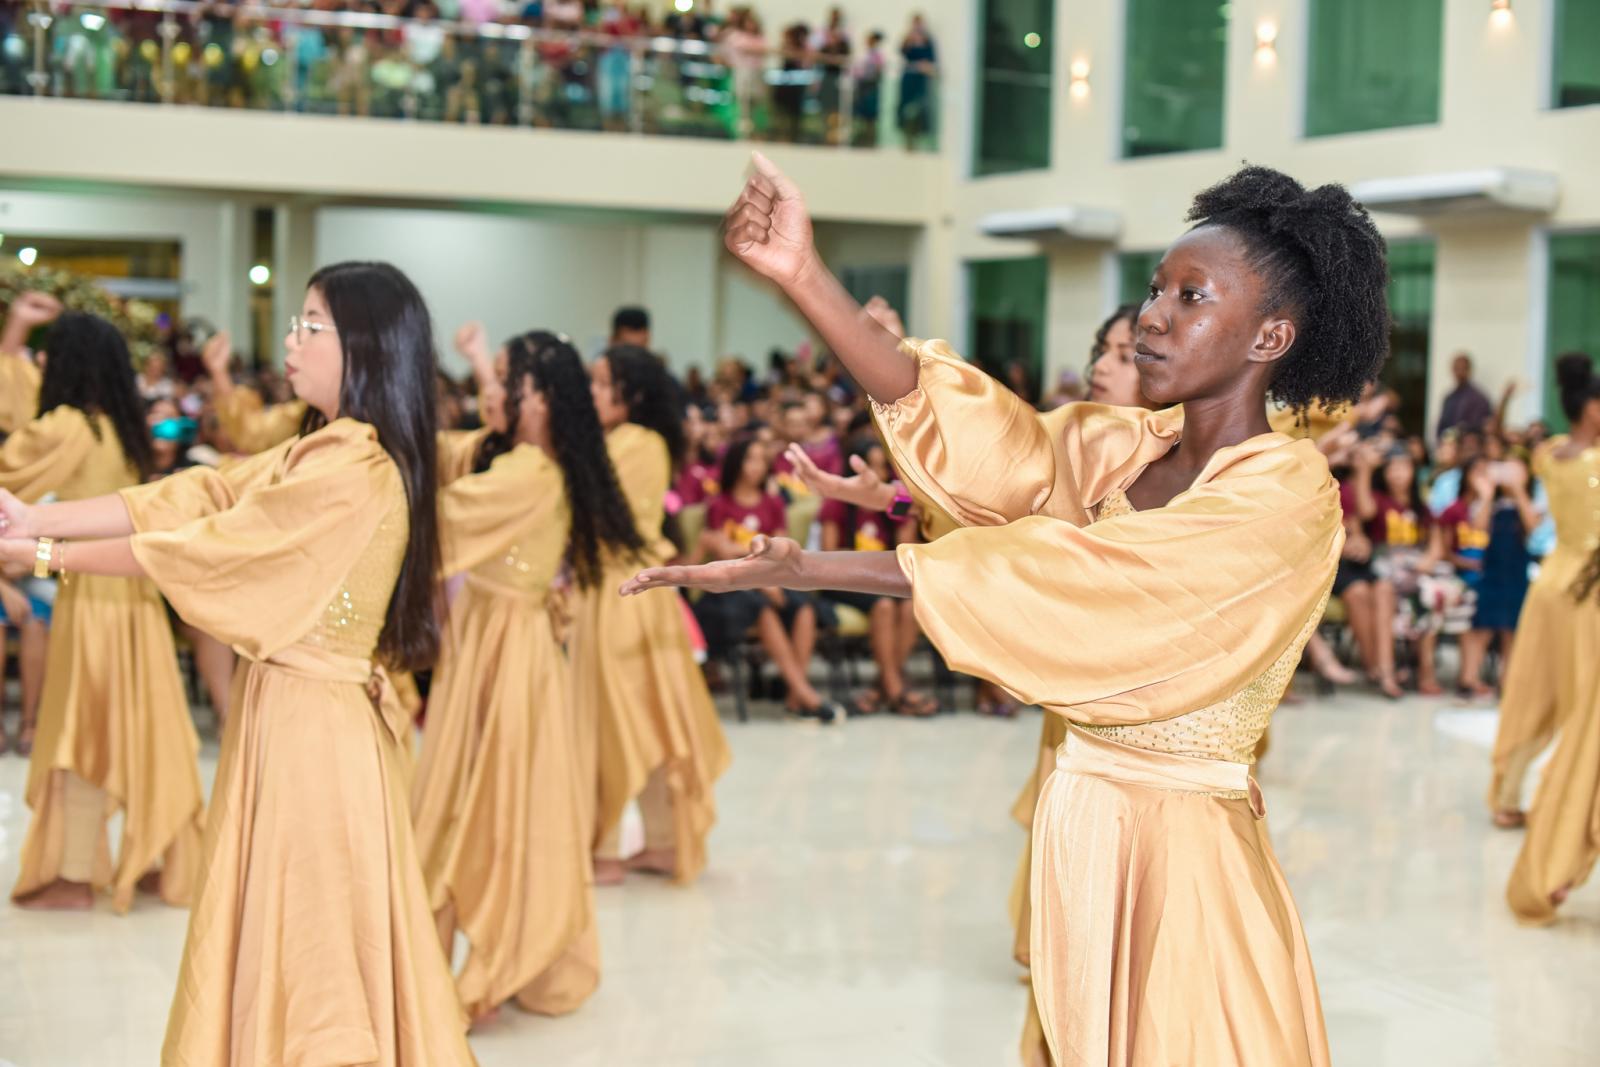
{"x": 1007, "y": 300}
{"x": 1577, "y": 53}
{"x": 1174, "y": 75}
{"x": 1014, "y": 86}
{"x": 1574, "y": 309}
{"x": 1373, "y": 64}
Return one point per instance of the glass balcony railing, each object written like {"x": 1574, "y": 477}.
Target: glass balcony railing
{"x": 333, "y": 62}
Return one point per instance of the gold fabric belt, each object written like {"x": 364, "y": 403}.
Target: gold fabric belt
{"x": 319, "y": 665}
{"x": 1088, "y": 754}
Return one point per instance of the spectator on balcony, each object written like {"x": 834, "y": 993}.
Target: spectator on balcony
{"x": 789, "y": 97}
{"x": 616, "y": 64}
{"x": 916, "y": 82}
{"x": 868, "y": 75}
{"x": 831, "y": 45}
{"x": 744, "y": 48}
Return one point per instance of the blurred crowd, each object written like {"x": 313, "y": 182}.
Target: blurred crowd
{"x": 587, "y": 64}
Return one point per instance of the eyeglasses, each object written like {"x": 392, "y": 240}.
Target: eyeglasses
{"x": 300, "y": 327}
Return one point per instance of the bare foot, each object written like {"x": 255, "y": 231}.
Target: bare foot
{"x": 1390, "y": 688}
{"x": 1510, "y": 819}
{"x": 150, "y": 883}
{"x": 488, "y": 1018}
{"x": 1559, "y": 897}
{"x": 655, "y": 861}
{"x": 609, "y": 872}
{"x": 60, "y": 895}
{"x": 25, "y": 739}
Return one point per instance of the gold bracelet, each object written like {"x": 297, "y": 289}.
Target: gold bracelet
{"x": 61, "y": 569}
{"x": 42, "y": 554}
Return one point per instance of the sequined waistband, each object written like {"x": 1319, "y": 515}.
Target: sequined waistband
{"x": 1087, "y": 754}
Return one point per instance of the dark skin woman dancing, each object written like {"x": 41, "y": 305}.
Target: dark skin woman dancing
{"x": 1152, "y": 577}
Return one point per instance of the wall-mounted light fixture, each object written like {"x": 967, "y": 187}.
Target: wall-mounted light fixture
{"x": 1079, "y": 87}
{"x": 1266, "y": 42}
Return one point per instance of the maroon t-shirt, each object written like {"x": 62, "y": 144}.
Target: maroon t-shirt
{"x": 735, "y": 520}
{"x": 860, "y": 530}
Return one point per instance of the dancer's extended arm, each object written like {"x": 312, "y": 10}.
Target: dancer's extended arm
{"x": 778, "y": 561}
{"x": 769, "y": 230}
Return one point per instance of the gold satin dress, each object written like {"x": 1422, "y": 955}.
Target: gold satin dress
{"x": 20, "y": 379}
{"x": 1162, "y": 928}
{"x": 113, "y": 715}
{"x": 1553, "y": 683}
{"x": 253, "y": 426}
{"x": 310, "y": 939}
{"x": 643, "y": 704}
{"x": 498, "y": 797}
{"x": 1541, "y": 657}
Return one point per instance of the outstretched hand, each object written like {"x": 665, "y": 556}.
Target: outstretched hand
{"x": 884, "y": 314}
{"x": 768, "y": 228}
{"x": 864, "y": 489}
{"x": 16, "y": 518}
{"x": 771, "y": 561}
{"x": 217, "y": 354}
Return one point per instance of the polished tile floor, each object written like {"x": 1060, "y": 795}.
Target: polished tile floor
{"x": 854, "y": 913}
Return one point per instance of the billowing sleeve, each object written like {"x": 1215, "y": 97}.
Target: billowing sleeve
{"x": 197, "y": 492}
{"x": 257, "y": 574}
{"x": 19, "y": 392}
{"x": 38, "y": 458}
{"x": 481, "y": 514}
{"x": 969, "y": 446}
{"x": 458, "y": 449}
{"x": 253, "y": 427}
{"x": 1145, "y": 616}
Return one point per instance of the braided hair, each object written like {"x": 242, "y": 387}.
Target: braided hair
{"x": 600, "y": 515}
{"x": 1324, "y": 264}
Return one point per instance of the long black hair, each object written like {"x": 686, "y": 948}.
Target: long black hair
{"x": 733, "y": 464}
{"x": 652, "y": 396}
{"x": 1577, "y": 382}
{"x": 1325, "y": 264}
{"x": 88, "y": 367}
{"x": 600, "y": 515}
{"x": 389, "y": 365}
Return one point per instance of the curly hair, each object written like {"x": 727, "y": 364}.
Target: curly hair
{"x": 89, "y": 368}
{"x": 1324, "y": 265}
{"x": 651, "y": 394}
{"x": 601, "y": 518}
{"x": 1130, "y": 312}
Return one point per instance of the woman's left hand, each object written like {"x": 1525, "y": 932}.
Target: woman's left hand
{"x": 771, "y": 561}
{"x": 18, "y": 553}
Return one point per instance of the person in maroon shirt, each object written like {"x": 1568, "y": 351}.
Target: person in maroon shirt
{"x": 784, "y": 621}
{"x": 1368, "y": 598}
{"x": 892, "y": 624}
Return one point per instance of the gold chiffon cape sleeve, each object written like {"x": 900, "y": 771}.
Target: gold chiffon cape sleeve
{"x": 268, "y": 543}
{"x": 479, "y": 517}
{"x": 1144, "y": 616}
{"x": 253, "y": 426}
{"x": 19, "y": 392}
{"x": 982, "y": 456}
{"x": 42, "y": 455}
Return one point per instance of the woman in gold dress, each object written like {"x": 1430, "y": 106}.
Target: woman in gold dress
{"x": 114, "y": 730}
{"x": 1178, "y": 561}
{"x": 648, "y": 728}
{"x": 310, "y": 938}
{"x": 498, "y": 798}
{"x": 1553, "y": 680}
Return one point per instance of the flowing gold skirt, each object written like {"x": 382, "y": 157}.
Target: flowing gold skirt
{"x": 643, "y": 704}
{"x": 310, "y": 941}
{"x": 1563, "y": 837}
{"x": 1530, "y": 711}
{"x": 113, "y": 713}
{"x": 1052, "y": 732}
{"x": 1164, "y": 932}
{"x": 498, "y": 808}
